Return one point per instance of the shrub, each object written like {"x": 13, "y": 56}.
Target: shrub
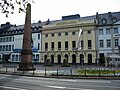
{"x": 65, "y": 63}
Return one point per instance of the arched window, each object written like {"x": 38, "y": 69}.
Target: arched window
{"x": 66, "y": 56}
{"x": 81, "y": 59}
{"x": 59, "y": 59}
{"x": 52, "y": 59}
{"x": 73, "y": 59}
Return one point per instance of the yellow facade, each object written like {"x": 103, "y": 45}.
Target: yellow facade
{"x": 51, "y": 32}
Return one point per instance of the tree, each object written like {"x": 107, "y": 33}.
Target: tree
{"x": 8, "y": 6}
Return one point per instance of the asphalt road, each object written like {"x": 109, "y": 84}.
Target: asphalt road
{"x": 12, "y": 82}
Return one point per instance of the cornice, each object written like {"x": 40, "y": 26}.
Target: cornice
{"x": 69, "y": 26}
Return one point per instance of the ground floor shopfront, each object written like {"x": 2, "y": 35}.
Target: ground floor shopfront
{"x": 73, "y": 57}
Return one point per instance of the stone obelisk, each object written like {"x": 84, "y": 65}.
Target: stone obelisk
{"x": 26, "y": 53}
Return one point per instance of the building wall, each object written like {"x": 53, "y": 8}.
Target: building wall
{"x": 70, "y": 52}
{"x": 11, "y": 43}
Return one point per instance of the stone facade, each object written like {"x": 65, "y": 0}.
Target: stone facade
{"x": 59, "y": 41}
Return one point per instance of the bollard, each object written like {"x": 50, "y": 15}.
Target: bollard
{"x": 33, "y": 72}
{"x": 23, "y": 71}
{"x": 45, "y": 72}
{"x": 6, "y": 69}
{"x": 71, "y": 72}
{"x": 14, "y": 69}
{"x": 57, "y": 72}
{"x": 99, "y": 72}
{"x": 114, "y": 73}
{"x": 85, "y": 72}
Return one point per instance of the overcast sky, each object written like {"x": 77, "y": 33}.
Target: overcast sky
{"x": 54, "y": 9}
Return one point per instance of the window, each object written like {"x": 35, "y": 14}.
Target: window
{"x": 3, "y": 39}
{"x": 66, "y": 45}
{"x": 59, "y": 45}
{"x": 115, "y": 30}
{"x": 7, "y": 39}
{"x": 12, "y": 47}
{"x": 10, "y": 39}
{"x": 13, "y": 57}
{"x": 73, "y": 45}
{"x": 7, "y": 48}
{"x": 0, "y": 48}
{"x": 46, "y": 46}
{"x": 82, "y": 44}
{"x": 13, "y": 38}
{"x": 52, "y": 46}
{"x": 108, "y": 43}
{"x": 38, "y": 36}
{"x": 3, "y": 48}
{"x": 66, "y": 33}
{"x": 16, "y": 58}
{"x": 73, "y": 33}
{"x": 89, "y": 44}
{"x": 116, "y": 42}
{"x": 46, "y": 35}
{"x": 0, "y": 39}
{"x": 108, "y": 31}
{"x": 38, "y": 46}
{"x": 59, "y": 34}
{"x": 37, "y": 57}
{"x": 52, "y": 34}
{"x": 100, "y": 31}
{"x": 101, "y": 43}
{"x": 89, "y": 32}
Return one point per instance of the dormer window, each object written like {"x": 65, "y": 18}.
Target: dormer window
{"x": 104, "y": 21}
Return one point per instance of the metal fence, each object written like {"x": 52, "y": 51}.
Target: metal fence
{"x": 12, "y": 69}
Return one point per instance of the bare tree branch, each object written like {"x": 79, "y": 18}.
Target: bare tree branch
{"x": 8, "y": 6}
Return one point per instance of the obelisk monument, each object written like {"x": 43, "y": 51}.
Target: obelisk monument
{"x": 26, "y": 53}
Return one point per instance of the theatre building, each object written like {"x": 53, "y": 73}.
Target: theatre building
{"x": 60, "y": 40}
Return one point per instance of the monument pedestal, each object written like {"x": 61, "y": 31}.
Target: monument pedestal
{"x": 26, "y": 61}
{"x": 26, "y": 67}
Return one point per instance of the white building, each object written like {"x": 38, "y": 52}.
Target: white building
{"x": 108, "y": 35}
{"x": 11, "y": 38}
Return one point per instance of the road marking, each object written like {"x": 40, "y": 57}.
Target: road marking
{"x": 58, "y": 87}
{"x": 12, "y": 88}
{"x": 93, "y": 81}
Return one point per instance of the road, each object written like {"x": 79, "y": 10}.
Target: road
{"x": 13, "y": 82}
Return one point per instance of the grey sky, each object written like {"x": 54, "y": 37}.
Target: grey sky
{"x": 54, "y": 9}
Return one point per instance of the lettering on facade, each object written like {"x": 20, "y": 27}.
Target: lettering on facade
{"x": 68, "y": 22}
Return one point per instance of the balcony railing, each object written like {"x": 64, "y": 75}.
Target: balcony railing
{"x": 46, "y": 49}
{"x": 89, "y": 47}
{"x": 66, "y": 48}
{"x": 52, "y": 49}
{"x": 59, "y": 49}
